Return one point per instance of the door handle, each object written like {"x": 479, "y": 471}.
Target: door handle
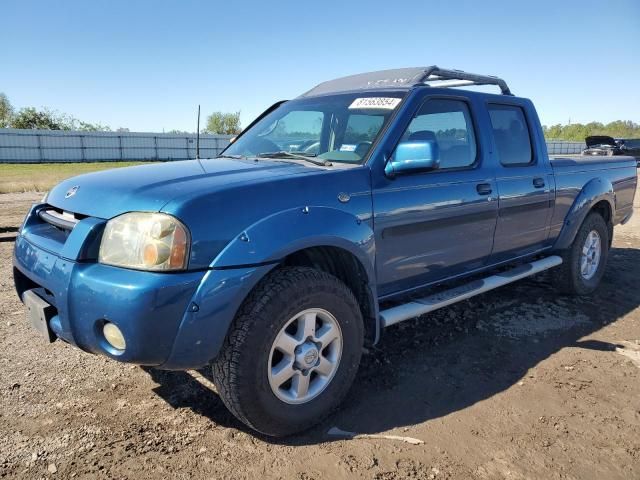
{"x": 538, "y": 182}
{"x": 484, "y": 188}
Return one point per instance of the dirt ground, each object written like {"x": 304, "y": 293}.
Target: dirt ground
{"x": 517, "y": 383}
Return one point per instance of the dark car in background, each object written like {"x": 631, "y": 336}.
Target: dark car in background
{"x": 630, "y": 147}
{"x": 609, "y": 146}
{"x": 602, "y": 145}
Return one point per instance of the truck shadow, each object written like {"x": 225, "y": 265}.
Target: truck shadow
{"x": 427, "y": 368}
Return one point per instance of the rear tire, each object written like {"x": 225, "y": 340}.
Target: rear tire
{"x": 304, "y": 322}
{"x": 584, "y": 262}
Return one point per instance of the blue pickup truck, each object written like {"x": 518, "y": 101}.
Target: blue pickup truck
{"x": 366, "y": 201}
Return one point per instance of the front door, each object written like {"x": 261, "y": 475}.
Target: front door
{"x": 436, "y": 224}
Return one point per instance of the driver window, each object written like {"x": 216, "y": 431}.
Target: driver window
{"x": 448, "y": 122}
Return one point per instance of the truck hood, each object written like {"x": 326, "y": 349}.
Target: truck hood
{"x": 598, "y": 140}
{"x": 110, "y": 193}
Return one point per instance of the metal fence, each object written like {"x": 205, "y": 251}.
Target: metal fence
{"x": 57, "y": 146}
{"x": 560, "y": 147}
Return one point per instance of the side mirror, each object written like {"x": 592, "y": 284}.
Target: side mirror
{"x": 413, "y": 156}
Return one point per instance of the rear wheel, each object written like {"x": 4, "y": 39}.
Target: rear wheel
{"x": 292, "y": 352}
{"x": 585, "y": 260}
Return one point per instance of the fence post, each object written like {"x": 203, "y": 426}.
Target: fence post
{"x": 83, "y": 155}
{"x": 155, "y": 143}
{"x": 40, "y": 152}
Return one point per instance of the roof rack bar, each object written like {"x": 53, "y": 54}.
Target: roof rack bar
{"x": 450, "y": 83}
{"x": 434, "y": 74}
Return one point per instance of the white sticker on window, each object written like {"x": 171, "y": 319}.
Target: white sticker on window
{"x": 385, "y": 103}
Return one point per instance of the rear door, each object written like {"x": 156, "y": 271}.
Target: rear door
{"x": 524, "y": 181}
{"x": 437, "y": 224}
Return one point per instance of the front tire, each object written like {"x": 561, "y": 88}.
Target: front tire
{"x": 292, "y": 352}
{"x": 584, "y": 262}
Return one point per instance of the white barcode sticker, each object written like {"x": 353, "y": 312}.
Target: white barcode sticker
{"x": 347, "y": 148}
{"x": 385, "y": 103}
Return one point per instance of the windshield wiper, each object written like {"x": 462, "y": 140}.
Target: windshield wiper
{"x": 307, "y": 158}
{"x": 235, "y": 157}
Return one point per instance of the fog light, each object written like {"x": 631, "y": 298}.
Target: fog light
{"x": 114, "y": 336}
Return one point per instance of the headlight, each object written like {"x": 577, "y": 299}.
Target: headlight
{"x": 145, "y": 241}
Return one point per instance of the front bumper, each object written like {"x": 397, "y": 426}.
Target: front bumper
{"x": 169, "y": 320}
{"x": 147, "y": 307}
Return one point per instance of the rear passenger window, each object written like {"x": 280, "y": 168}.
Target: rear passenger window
{"x": 449, "y": 123}
{"x": 511, "y": 135}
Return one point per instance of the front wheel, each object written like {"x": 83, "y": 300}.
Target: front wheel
{"x": 292, "y": 352}
{"x": 585, "y": 260}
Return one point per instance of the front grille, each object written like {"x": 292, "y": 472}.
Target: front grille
{"x": 61, "y": 220}
{"x": 50, "y": 227}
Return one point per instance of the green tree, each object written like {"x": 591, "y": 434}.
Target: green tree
{"x": 223, "y": 123}
{"x": 6, "y": 111}
{"x": 45, "y": 119}
{"x": 578, "y": 131}
{"x": 89, "y": 127}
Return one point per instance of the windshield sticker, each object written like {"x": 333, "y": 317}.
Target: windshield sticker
{"x": 385, "y": 103}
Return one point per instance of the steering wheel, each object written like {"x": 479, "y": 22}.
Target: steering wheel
{"x": 362, "y": 148}
{"x": 312, "y": 148}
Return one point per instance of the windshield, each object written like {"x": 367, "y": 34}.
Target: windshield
{"x": 333, "y": 128}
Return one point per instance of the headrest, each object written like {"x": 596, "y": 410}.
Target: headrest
{"x": 423, "y": 135}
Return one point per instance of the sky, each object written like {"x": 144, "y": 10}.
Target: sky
{"x": 146, "y": 65}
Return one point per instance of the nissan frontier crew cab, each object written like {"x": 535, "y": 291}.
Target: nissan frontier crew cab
{"x": 366, "y": 201}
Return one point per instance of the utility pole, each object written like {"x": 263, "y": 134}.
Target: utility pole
{"x": 198, "y": 136}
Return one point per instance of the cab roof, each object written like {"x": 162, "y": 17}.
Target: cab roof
{"x": 405, "y": 79}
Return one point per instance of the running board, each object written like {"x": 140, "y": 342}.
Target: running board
{"x": 415, "y": 308}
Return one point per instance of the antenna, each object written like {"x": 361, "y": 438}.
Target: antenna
{"x": 198, "y": 136}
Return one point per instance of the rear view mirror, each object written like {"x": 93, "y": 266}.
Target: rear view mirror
{"x": 413, "y": 156}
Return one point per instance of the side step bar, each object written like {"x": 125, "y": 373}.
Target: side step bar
{"x": 415, "y": 308}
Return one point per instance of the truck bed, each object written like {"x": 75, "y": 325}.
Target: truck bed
{"x": 573, "y": 173}
{"x": 574, "y": 163}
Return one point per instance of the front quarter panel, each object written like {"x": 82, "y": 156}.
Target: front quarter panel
{"x": 332, "y": 209}
{"x": 217, "y": 218}
{"x": 251, "y": 256}
{"x": 247, "y": 259}
{"x": 275, "y": 237}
